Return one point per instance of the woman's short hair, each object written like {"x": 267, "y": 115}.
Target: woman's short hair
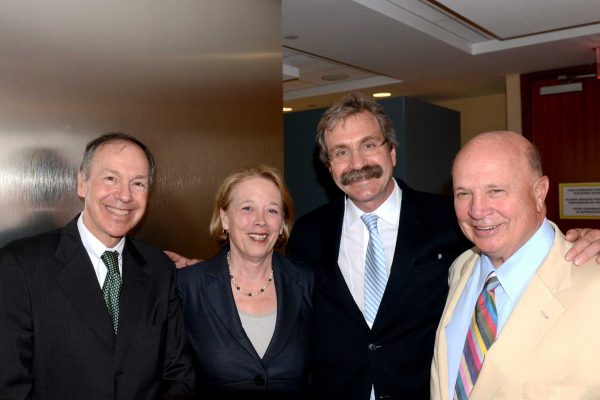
{"x": 223, "y": 200}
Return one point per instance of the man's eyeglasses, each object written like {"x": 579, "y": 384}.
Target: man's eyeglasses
{"x": 366, "y": 148}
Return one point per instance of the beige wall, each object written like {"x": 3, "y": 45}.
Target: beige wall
{"x": 513, "y": 103}
{"x": 479, "y": 114}
{"x": 199, "y": 82}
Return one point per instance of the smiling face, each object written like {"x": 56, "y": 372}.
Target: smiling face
{"x": 367, "y": 187}
{"x": 115, "y": 191}
{"x": 498, "y": 197}
{"x": 254, "y": 218}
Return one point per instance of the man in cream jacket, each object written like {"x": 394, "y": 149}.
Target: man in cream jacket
{"x": 542, "y": 315}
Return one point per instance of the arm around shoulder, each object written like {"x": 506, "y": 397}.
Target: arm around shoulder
{"x": 178, "y": 376}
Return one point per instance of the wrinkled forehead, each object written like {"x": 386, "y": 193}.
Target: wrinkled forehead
{"x": 121, "y": 153}
{"x": 359, "y": 125}
{"x": 492, "y": 160}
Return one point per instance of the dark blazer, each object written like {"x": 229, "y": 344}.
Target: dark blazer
{"x": 225, "y": 361}
{"x": 396, "y": 354}
{"x": 56, "y": 336}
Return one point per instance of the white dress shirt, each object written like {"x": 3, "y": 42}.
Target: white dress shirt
{"x": 96, "y": 248}
{"x": 355, "y": 238}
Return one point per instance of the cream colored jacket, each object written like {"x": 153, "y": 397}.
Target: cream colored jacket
{"x": 550, "y": 346}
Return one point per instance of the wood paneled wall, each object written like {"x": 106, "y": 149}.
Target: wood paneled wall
{"x": 566, "y": 129}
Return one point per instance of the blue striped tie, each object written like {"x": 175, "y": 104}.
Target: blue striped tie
{"x": 375, "y": 270}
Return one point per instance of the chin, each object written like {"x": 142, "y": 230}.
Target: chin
{"x": 120, "y": 231}
{"x": 488, "y": 249}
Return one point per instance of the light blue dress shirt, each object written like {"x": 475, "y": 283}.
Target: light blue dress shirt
{"x": 514, "y": 276}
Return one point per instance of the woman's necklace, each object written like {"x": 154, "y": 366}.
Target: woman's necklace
{"x": 242, "y": 291}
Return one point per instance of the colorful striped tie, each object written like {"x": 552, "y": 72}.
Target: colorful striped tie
{"x": 375, "y": 270}
{"x": 480, "y": 337}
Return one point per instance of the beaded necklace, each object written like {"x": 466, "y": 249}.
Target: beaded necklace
{"x": 242, "y": 291}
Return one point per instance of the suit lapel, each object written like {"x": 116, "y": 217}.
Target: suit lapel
{"x": 332, "y": 274}
{"x": 410, "y": 237}
{"x": 289, "y": 299}
{"x": 80, "y": 285}
{"x": 533, "y": 316}
{"x": 223, "y": 303}
{"x": 135, "y": 297}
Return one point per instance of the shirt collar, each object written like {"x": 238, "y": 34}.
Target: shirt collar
{"x": 516, "y": 272}
{"x": 91, "y": 242}
{"x": 389, "y": 211}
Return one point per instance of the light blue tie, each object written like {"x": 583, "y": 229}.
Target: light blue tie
{"x": 375, "y": 271}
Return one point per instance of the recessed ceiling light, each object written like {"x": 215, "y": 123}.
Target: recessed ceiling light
{"x": 286, "y": 109}
{"x": 382, "y": 94}
{"x": 335, "y": 77}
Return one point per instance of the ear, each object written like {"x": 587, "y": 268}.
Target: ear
{"x": 540, "y": 190}
{"x": 393, "y": 155}
{"x": 81, "y": 185}
{"x": 224, "y": 219}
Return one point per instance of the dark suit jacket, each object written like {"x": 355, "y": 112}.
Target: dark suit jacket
{"x": 56, "y": 337}
{"x": 396, "y": 354}
{"x": 225, "y": 361}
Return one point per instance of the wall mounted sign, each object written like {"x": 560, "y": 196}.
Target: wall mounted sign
{"x": 579, "y": 200}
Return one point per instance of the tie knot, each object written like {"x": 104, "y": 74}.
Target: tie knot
{"x": 111, "y": 260}
{"x": 370, "y": 221}
{"x": 491, "y": 282}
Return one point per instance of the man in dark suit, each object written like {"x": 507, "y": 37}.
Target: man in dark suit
{"x": 374, "y": 332}
{"x": 79, "y": 321}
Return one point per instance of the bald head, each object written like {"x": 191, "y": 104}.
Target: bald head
{"x": 508, "y": 141}
{"x": 499, "y": 192}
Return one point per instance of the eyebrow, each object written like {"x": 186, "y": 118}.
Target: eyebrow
{"x": 363, "y": 140}
{"x": 115, "y": 172}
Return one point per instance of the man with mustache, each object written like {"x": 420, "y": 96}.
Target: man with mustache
{"x": 375, "y": 322}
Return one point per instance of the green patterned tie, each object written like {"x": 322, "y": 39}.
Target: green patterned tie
{"x": 112, "y": 285}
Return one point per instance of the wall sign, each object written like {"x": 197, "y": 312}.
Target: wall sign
{"x": 579, "y": 200}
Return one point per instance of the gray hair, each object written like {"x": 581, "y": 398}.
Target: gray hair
{"x": 94, "y": 145}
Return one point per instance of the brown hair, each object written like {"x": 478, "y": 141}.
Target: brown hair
{"x": 223, "y": 200}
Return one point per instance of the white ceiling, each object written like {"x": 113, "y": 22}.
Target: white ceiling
{"x": 429, "y": 49}
{"x": 432, "y": 50}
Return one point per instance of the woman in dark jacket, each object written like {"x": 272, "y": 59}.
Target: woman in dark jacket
{"x": 248, "y": 310}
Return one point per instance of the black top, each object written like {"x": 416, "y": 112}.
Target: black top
{"x": 225, "y": 361}
{"x": 56, "y": 336}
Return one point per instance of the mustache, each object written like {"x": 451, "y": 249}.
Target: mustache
{"x": 366, "y": 172}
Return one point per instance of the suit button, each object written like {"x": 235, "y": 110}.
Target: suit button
{"x": 373, "y": 347}
{"x": 259, "y": 380}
